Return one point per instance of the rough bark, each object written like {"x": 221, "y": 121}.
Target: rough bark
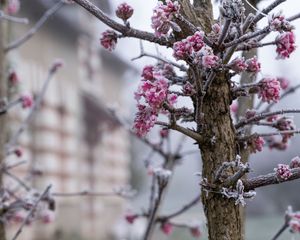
{"x": 3, "y": 127}
{"x": 223, "y": 216}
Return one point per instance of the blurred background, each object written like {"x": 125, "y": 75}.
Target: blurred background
{"x": 77, "y": 145}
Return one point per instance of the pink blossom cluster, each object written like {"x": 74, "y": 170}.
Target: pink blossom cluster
{"x": 269, "y": 90}
{"x": 250, "y": 113}
{"x": 144, "y": 120}
{"x": 207, "y": 58}
{"x": 278, "y": 22}
{"x": 215, "y": 33}
{"x": 109, "y": 40}
{"x": 13, "y": 78}
{"x": 185, "y": 48}
{"x": 124, "y": 11}
{"x": 283, "y": 171}
{"x": 162, "y": 17}
{"x": 285, "y": 43}
{"x": 295, "y": 162}
{"x": 257, "y": 144}
{"x": 240, "y": 65}
{"x": 26, "y": 101}
{"x": 294, "y": 222}
{"x": 253, "y": 65}
{"x": 13, "y": 7}
{"x": 150, "y": 96}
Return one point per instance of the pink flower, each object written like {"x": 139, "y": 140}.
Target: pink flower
{"x": 144, "y": 120}
{"x": 13, "y": 78}
{"x": 148, "y": 72}
{"x": 19, "y": 216}
{"x": 295, "y": 162}
{"x": 183, "y": 49}
{"x": 284, "y": 83}
{"x": 13, "y": 6}
{"x": 294, "y": 226}
{"x": 257, "y": 144}
{"x": 196, "y": 40}
{"x": 238, "y": 65}
{"x": 167, "y": 228}
{"x": 210, "y": 61}
{"x": 130, "y": 218}
{"x": 188, "y": 89}
{"x": 285, "y": 123}
{"x": 253, "y": 65}
{"x": 283, "y": 171}
{"x": 234, "y": 107}
{"x": 124, "y": 11}
{"x": 162, "y": 15}
{"x": 250, "y": 113}
{"x": 285, "y": 43}
{"x": 279, "y": 23}
{"x": 27, "y": 101}
{"x": 195, "y": 231}
{"x": 109, "y": 40}
{"x": 269, "y": 90}
{"x": 164, "y": 133}
{"x": 47, "y": 216}
{"x": 279, "y": 145}
{"x": 18, "y": 152}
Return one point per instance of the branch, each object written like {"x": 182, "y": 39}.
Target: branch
{"x": 31, "y": 212}
{"x": 181, "y": 129}
{"x": 12, "y": 18}
{"x": 263, "y": 116}
{"x": 87, "y": 193}
{"x": 125, "y": 30}
{"x": 181, "y": 210}
{"x": 269, "y": 179}
{"x": 145, "y": 54}
{"x": 35, "y": 28}
{"x": 35, "y": 107}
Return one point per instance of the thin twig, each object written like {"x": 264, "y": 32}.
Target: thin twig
{"x": 125, "y": 30}
{"x": 264, "y": 115}
{"x": 13, "y": 19}
{"x": 31, "y": 212}
{"x": 35, "y": 28}
{"x": 34, "y": 109}
{"x": 181, "y": 210}
{"x": 269, "y": 179}
{"x": 145, "y": 54}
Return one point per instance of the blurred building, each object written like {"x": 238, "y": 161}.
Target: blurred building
{"x": 73, "y": 140}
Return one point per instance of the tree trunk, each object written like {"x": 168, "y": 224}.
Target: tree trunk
{"x": 3, "y": 127}
{"x": 224, "y": 218}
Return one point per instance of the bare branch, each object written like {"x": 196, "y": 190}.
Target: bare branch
{"x": 12, "y": 18}
{"x": 125, "y": 30}
{"x": 263, "y": 116}
{"x": 269, "y": 179}
{"x": 34, "y": 109}
{"x": 31, "y": 212}
{"x": 35, "y": 28}
{"x": 181, "y": 129}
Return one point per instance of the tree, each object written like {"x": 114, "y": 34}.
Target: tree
{"x": 209, "y": 53}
